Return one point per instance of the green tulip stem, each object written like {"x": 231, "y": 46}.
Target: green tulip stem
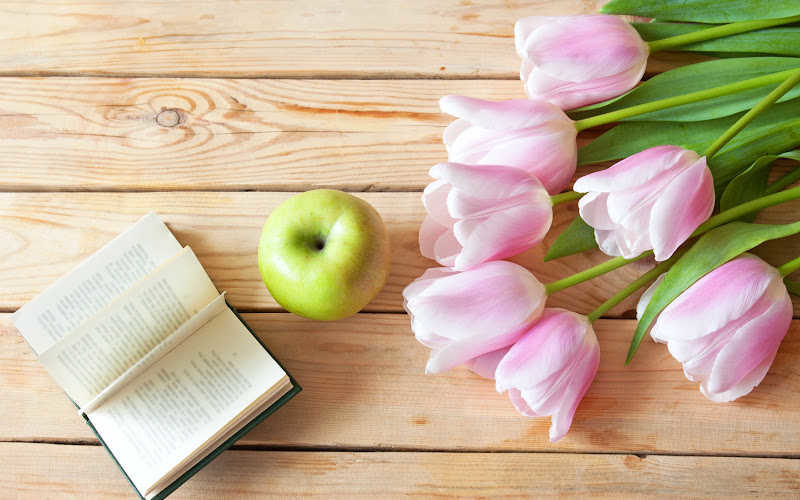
{"x": 717, "y": 32}
{"x": 669, "y": 102}
{"x": 721, "y": 218}
{"x": 565, "y": 197}
{"x": 742, "y": 122}
{"x": 631, "y": 288}
{"x": 790, "y": 267}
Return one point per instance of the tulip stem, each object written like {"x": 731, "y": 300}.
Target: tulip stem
{"x": 631, "y": 288}
{"x": 790, "y": 267}
{"x": 721, "y": 218}
{"x": 717, "y": 32}
{"x": 742, "y": 122}
{"x": 700, "y": 95}
{"x": 564, "y": 197}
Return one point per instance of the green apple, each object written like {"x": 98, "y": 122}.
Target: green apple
{"x": 324, "y": 254}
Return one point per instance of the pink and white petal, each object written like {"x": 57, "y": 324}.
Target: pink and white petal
{"x": 518, "y": 400}
{"x": 429, "y": 233}
{"x": 501, "y": 234}
{"x": 593, "y": 208}
{"x": 587, "y": 47}
{"x": 453, "y": 131}
{"x": 607, "y": 242}
{"x": 503, "y": 115}
{"x": 495, "y": 298}
{"x": 427, "y": 279}
{"x": 486, "y": 364}
{"x": 486, "y": 181}
{"x": 446, "y": 249}
{"x": 572, "y": 394}
{"x": 636, "y": 170}
{"x": 698, "y": 310}
{"x": 461, "y": 351}
{"x": 743, "y": 387}
{"x": 644, "y": 300}
{"x": 685, "y": 204}
{"x": 755, "y": 341}
{"x": 543, "y": 351}
{"x": 434, "y": 199}
{"x": 572, "y": 95}
{"x": 527, "y": 25}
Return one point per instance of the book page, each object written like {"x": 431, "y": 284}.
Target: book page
{"x": 95, "y": 282}
{"x": 90, "y": 358}
{"x": 182, "y": 401}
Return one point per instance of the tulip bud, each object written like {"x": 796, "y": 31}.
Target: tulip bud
{"x": 726, "y": 328}
{"x": 573, "y": 61}
{"x": 654, "y": 199}
{"x": 463, "y": 315}
{"x": 532, "y": 135}
{"x": 478, "y": 213}
{"x": 549, "y": 369}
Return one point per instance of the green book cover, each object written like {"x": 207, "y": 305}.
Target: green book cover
{"x": 227, "y": 444}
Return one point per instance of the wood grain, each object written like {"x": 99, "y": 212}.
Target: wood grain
{"x": 364, "y": 387}
{"x": 46, "y": 234}
{"x": 214, "y": 134}
{"x": 52, "y": 471}
{"x": 342, "y": 38}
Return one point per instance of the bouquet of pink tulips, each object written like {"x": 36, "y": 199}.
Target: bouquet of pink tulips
{"x": 693, "y": 149}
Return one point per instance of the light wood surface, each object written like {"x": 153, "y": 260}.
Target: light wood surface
{"x": 254, "y": 474}
{"x": 211, "y": 113}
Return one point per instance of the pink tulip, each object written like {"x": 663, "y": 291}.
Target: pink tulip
{"x": 550, "y": 368}
{"x": 533, "y": 135}
{"x": 463, "y": 315}
{"x": 651, "y": 200}
{"x": 577, "y": 60}
{"x": 478, "y": 213}
{"x": 726, "y": 328}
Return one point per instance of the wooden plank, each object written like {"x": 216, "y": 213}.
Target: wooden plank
{"x": 45, "y": 235}
{"x": 212, "y": 134}
{"x": 449, "y": 38}
{"x": 364, "y": 387}
{"x": 42, "y": 470}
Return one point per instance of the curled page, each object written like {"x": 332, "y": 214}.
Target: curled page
{"x": 91, "y": 357}
{"x": 95, "y": 283}
{"x": 187, "y": 328}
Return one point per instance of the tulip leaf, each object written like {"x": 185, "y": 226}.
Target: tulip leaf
{"x": 702, "y": 76}
{"x": 713, "y": 249}
{"x": 779, "y": 41}
{"x": 704, "y": 11}
{"x": 793, "y": 287}
{"x": 576, "y": 238}
{"x": 626, "y": 139}
{"x": 751, "y": 183}
{"x": 740, "y": 152}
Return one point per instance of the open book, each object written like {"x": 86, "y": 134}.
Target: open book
{"x": 165, "y": 373}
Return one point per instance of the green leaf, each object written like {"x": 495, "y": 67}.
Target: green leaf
{"x": 778, "y": 41}
{"x": 713, "y": 249}
{"x": 705, "y": 11}
{"x": 626, "y": 139}
{"x": 743, "y": 150}
{"x": 576, "y": 238}
{"x": 702, "y": 76}
{"x": 751, "y": 183}
{"x": 793, "y": 287}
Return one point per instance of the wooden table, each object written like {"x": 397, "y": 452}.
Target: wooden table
{"x": 212, "y": 113}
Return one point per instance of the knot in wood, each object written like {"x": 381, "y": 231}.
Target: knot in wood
{"x": 169, "y": 118}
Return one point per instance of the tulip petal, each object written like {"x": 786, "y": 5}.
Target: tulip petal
{"x": 593, "y": 208}
{"x": 685, "y": 204}
{"x": 501, "y": 234}
{"x": 744, "y": 387}
{"x": 580, "y": 380}
{"x": 504, "y": 115}
{"x": 698, "y": 310}
{"x": 461, "y": 351}
{"x": 644, "y": 300}
{"x": 636, "y": 170}
{"x": 434, "y": 199}
{"x": 755, "y": 341}
{"x": 525, "y": 26}
{"x": 486, "y": 364}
